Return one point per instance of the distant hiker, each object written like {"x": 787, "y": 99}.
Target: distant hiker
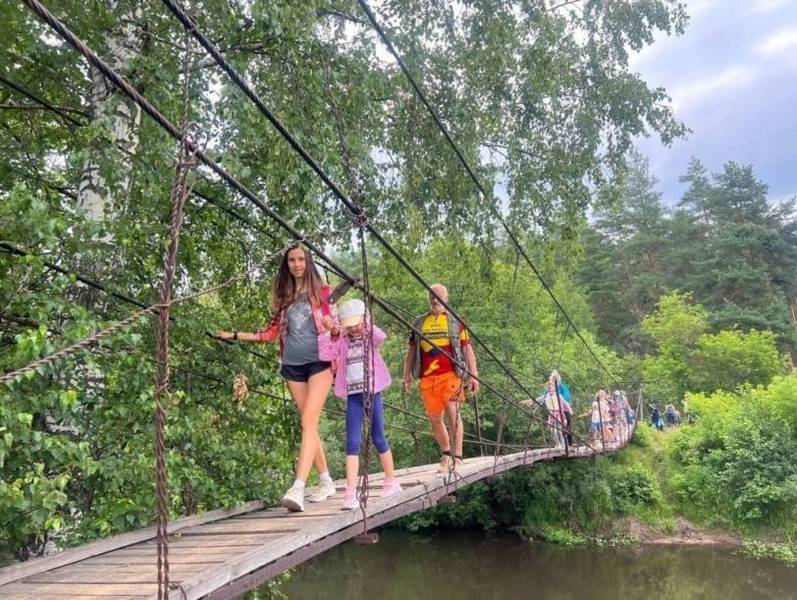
{"x": 595, "y": 425}
{"x": 655, "y": 417}
{"x": 441, "y": 378}
{"x": 669, "y": 412}
{"x": 630, "y": 414}
{"x": 357, "y": 362}
{"x": 616, "y": 407}
{"x": 304, "y": 324}
{"x": 557, "y": 408}
{"x": 564, "y": 394}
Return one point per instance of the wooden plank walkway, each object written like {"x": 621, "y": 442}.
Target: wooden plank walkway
{"x": 222, "y": 554}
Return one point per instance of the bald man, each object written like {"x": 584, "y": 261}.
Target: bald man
{"x": 441, "y": 379}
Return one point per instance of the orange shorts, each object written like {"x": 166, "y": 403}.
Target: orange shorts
{"x": 436, "y": 390}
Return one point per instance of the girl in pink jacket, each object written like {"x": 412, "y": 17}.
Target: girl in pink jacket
{"x": 351, "y": 355}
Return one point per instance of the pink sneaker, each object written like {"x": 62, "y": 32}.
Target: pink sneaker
{"x": 390, "y": 487}
{"x": 350, "y": 499}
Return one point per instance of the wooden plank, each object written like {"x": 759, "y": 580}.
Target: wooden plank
{"x": 246, "y": 529}
{"x": 177, "y": 552}
{"x": 98, "y": 575}
{"x": 197, "y": 587}
{"x": 45, "y": 590}
{"x": 145, "y": 560}
{"x": 214, "y": 540}
{"x": 83, "y": 573}
{"x": 324, "y": 511}
{"x": 68, "y": 596}
{"x": 38, "y": 565}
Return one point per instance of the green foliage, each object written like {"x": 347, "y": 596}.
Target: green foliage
{"x": 563, "y": 537}
{"x": 729, "y": 359}
{"x": 689, "y": 360}
{"x": 725, "y": 244}
{"x": 634, "y": 487}
{"x": 675, "y": 326}
{"x": 565, "y": 503}
{"x": 787, "y": 552}
{"x": 737, "y": 463}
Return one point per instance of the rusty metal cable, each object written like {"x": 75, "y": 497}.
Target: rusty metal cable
{"x": 369, "y": 358}
{"x": 181, "y": 188}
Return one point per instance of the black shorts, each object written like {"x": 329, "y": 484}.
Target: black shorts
{"x": 305, "y": 371}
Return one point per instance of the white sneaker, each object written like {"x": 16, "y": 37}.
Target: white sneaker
{"x": 326, "y": 489}
{"x": 293, "y": 500}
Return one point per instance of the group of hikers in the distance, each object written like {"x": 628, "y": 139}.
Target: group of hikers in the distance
{"x": 670, "y": 418}
{"x": 321, "y": 344}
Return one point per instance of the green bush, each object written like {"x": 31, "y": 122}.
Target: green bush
{"x": 633, "y": 487}
{"x": 737, "y": 463}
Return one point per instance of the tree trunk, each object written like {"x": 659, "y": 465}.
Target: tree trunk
{"x": 120, "y": 117}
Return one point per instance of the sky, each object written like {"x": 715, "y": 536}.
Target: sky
{"x": 732, "y": 77}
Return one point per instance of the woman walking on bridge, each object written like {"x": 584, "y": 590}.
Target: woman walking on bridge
{"x": 304, "y": 323}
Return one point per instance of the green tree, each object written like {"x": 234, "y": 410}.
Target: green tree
{"x": 743, "y": 256}
{"x": 728, "y": 359}
{"x": 626, "y": 254}
{"x": 675, "y": 327}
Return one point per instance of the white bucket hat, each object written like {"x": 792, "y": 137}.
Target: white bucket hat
{"x": 351, "y": 313}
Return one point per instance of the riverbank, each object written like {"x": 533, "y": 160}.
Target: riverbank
{"x": 686, "y": 534}
{"x": 635, "y": 497}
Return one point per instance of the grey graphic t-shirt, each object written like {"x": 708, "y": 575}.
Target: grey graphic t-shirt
{"x": 301, "y": 345}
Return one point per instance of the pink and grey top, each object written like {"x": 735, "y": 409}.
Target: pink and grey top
{"x": 350, "y": 369}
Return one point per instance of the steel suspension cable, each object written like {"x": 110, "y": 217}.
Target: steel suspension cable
{"x": 471, "y": 173}
{"x": 59, "y": 27}
{"x": 190, "y": 24}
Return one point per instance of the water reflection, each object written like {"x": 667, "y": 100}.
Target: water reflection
{"x": 468, "y": 565}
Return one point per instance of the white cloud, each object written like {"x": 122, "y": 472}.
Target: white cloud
{"x": 695, "y": 92}
{"x": 782, "y": 198}
{"x": 778, "y": 43}
{"x": 765, "y": 6}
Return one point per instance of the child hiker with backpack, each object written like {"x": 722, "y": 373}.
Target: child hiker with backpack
{"x": 358, "y": 362}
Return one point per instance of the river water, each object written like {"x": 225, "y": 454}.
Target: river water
{"x": 454, "y": 566}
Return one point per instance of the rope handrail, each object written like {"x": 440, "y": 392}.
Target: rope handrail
{"x": 101, "y": 287}
{"x": 121, "y": 324}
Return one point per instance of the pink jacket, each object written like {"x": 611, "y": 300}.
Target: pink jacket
{"x": 380, "y": 377}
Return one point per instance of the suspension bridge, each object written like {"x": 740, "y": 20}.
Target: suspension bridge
{"x": 223, "y": 553}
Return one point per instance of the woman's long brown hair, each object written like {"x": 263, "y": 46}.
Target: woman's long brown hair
{"x": 284, "y": 291}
